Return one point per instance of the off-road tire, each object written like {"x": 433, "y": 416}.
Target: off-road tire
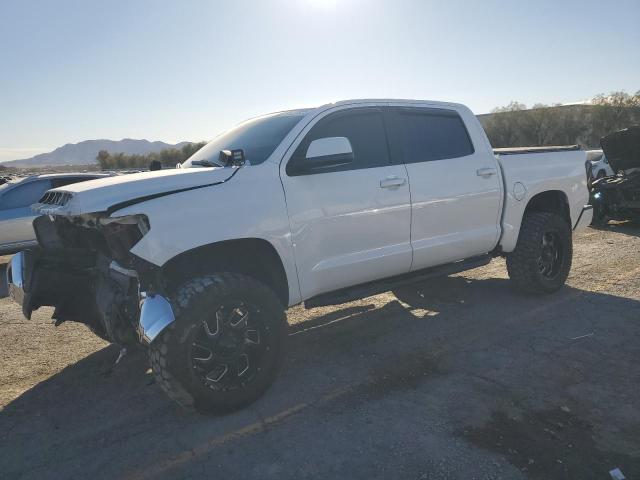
{"x": 522, "y": 263}
{"x": 193, "y": 301}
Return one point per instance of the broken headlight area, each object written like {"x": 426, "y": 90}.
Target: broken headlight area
{"x": 122, "y": 233}
{"x": 112, "y": 237}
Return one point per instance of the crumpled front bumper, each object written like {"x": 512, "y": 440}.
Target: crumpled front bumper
{"x": 156, "y": 313}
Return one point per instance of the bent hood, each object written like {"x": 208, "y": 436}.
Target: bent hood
{"x": 622, "y": 148}
{"x": 108, "y": 194}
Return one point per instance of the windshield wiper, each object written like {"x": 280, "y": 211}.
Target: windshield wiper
{"x": 206, "y": 163}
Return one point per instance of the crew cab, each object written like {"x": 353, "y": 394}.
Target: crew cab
{"x": 319, "y": 206}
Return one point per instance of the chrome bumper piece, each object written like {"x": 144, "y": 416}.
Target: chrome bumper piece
{"x": 15, "y": 277}
{"x": 156, "y": 314}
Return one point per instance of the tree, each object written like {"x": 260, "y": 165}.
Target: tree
{"x": 514, "y": 126}
{"x": 614, "y": 112}
{"x": 502, "y": 126}
{"x": 103, "y": 159}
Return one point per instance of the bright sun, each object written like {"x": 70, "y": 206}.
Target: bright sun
{"x": 323, "y": 3}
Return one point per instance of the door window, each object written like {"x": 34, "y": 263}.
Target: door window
{"x": 431, "y": 134}
{"x": 364, "y": 128}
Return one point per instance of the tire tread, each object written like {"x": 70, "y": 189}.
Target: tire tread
{"x": 521, "y": 265}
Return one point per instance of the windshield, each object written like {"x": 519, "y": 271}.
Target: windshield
{"x": 258, "y": 138}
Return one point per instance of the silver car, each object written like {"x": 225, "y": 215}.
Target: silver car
{"x": 16, "y": 198}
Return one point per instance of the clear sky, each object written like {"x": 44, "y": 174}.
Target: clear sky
{"x": 185, "y": 70}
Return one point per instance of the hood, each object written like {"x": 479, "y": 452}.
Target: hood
{"x": 622, "y": 148}
{"x": 108, "y": 194}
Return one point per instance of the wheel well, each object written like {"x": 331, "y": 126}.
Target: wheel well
{"x": 553, "y": 201}
{"x": 250, "y": 256}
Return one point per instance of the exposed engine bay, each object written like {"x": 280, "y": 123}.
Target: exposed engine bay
{"x": 84, "y": 270}
{"x": 617, "y": 197}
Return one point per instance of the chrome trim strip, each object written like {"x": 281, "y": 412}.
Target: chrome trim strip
{"x": 156, "y": 314}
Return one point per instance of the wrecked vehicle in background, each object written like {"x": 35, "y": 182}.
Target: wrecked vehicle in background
{"x": 617, "y": 197}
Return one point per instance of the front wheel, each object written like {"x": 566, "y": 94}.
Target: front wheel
{"x": 225, "y": 347}
{"x": 542, "y": 258}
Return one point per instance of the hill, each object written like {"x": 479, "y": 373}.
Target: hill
{"x": 85, "y": 152}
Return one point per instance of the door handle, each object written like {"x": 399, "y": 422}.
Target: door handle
{"x": 390, "y": 182}
{"x": 486, "y": 172}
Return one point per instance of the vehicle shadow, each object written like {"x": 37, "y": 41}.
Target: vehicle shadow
{"x": 368, "y": 352}
{"x": 625, "y": 227}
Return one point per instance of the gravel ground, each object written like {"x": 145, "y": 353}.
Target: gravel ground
{"x": 473, "y": 381}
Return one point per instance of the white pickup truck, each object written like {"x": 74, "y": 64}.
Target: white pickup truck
{"x": 319, "y": 206}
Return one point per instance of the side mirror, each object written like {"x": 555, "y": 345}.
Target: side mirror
{"x": 323, "y": 153}
{"x": 231, "y": 158}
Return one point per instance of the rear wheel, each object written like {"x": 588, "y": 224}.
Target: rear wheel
{"x": 225, "y": 347}
{"x": 542, "y": 258}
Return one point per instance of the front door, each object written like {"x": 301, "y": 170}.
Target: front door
{"x": 350, "y": 224}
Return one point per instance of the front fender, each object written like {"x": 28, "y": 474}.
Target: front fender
{"x": 251, "y": 206}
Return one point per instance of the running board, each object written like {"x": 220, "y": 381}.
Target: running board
{"x": 363, "y": 290}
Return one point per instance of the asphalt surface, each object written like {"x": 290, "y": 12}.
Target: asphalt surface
{"x": 472, "y": 381}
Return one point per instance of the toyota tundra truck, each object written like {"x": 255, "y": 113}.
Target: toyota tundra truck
{"x": 320, "y": 206}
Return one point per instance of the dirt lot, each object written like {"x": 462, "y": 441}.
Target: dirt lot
{"x": 474, "y": 381}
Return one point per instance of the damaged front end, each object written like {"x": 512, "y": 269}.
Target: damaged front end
{"x": 84, "y": 269}
{"x": 617, "y": 197}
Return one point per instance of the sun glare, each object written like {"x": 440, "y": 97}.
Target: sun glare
{"x": 323, "y": 3}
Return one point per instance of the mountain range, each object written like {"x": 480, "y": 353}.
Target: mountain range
{"x": 84, "y": 153}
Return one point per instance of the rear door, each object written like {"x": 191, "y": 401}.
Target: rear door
{"x": 456, "y": 190}
{"x": 349, "y": 223}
